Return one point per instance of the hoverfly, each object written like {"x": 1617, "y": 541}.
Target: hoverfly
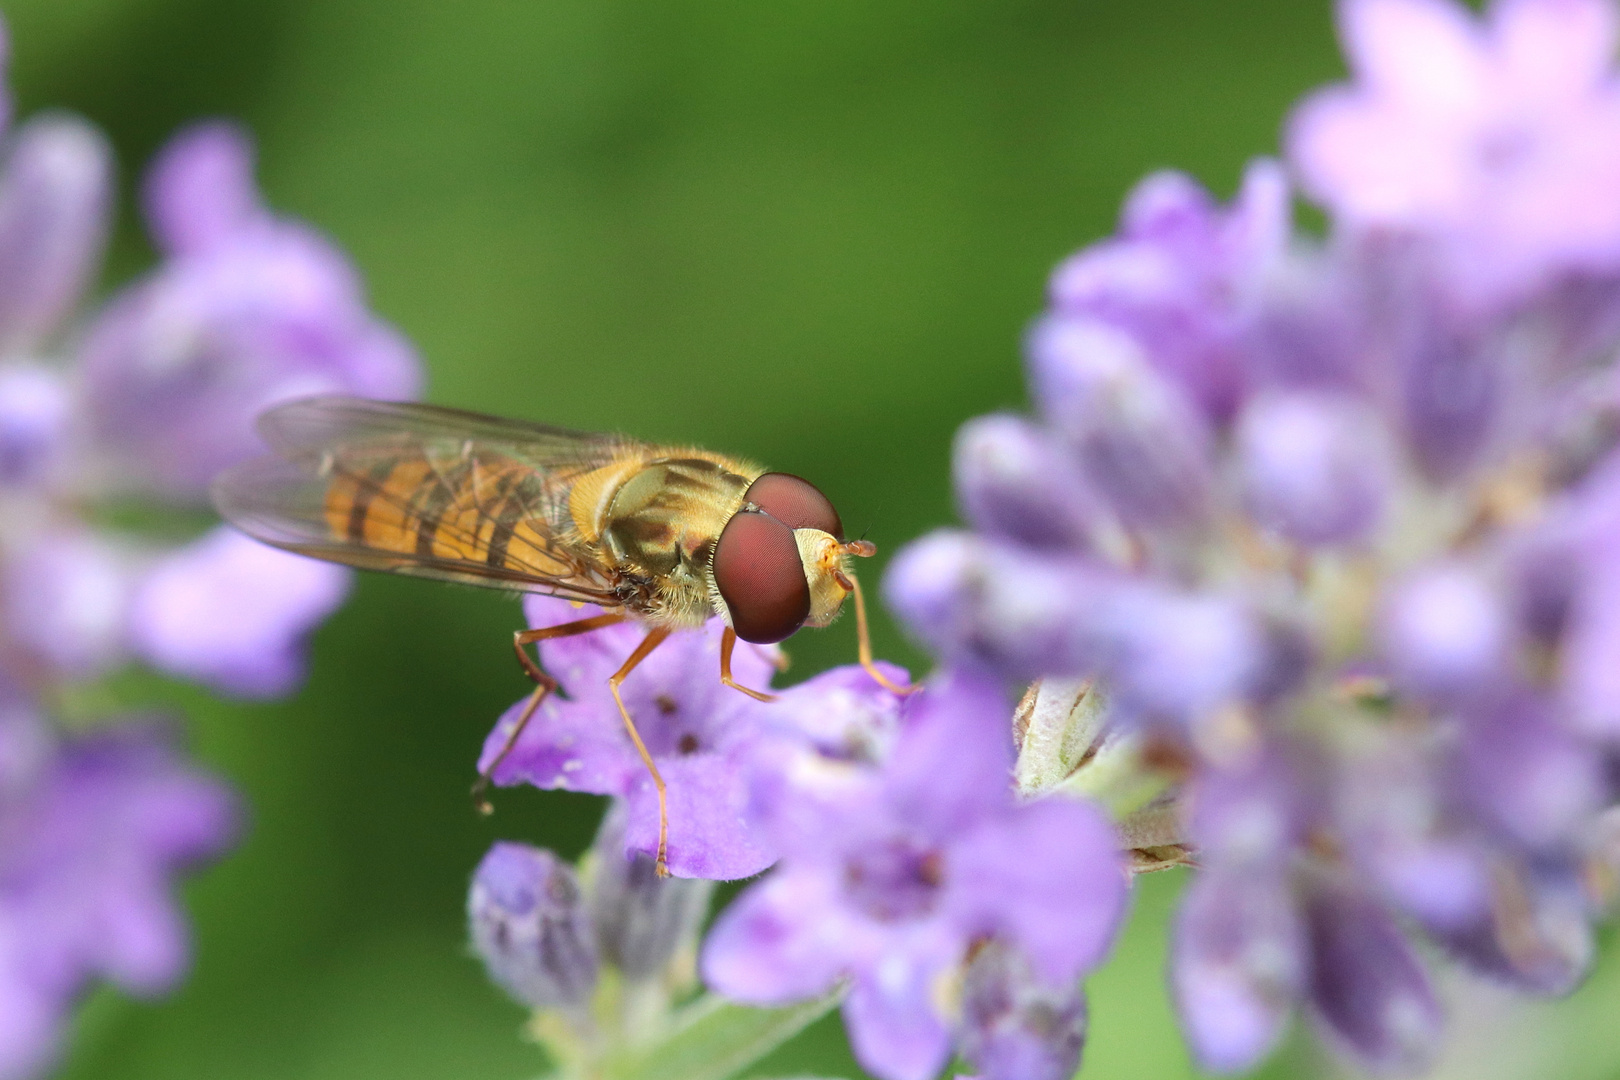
{"x": 667, "y": 537}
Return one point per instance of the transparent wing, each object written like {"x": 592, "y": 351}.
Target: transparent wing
{"x": 426, "y": 491}
{"x": 323, "y": 425}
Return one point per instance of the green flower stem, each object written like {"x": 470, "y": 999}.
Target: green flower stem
{"x": 712, "y": 1039}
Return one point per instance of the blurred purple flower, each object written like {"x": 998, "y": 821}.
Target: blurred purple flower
{"x": 1014, "y": 1027}
{"x": 230, "y": 612}
{"x": 150, "y": 398}
{"x": 87, "y": 850}
{"x": 890, "y": 882}
{"x": 1274, "y": 920}
{"x": 36, "y": 411}
{"x": 248, "y": 309}
{"x": 1496, "y": 138}
{"x": 1336, "y": 528}
{"x": 1177, "y": 277}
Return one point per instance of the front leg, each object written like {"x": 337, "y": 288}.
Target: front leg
{"x": 544, "y": 684}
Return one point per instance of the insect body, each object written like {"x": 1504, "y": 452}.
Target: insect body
{"x": 667, "y": 537}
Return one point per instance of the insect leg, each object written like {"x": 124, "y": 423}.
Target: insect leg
{"x": 653, "y": 639}
{"x": 728, "y": 642}
{"x": 863, "y": 636}
{"x": 545, "y": 684}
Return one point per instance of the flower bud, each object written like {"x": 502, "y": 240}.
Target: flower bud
{"x": 1238, "y": 960}
{"x": 54, "y": 198}
{"x": 1023, "y": 612}
{"x": 35, "y": 411}
{"x": 641, "y": 919}
{"x": 1140, "y": 439}
{"x": 1539, "y": 936}
{"x": 530, "y": 927}
{"x": 1367, "y": 984}
{"x": 1445, "y": 632}
{"x": 1015, "y": 1028}
{"x": 1059, "y": 725}
{"x": 1014, "y": 482}
{"x": 1316, "y": 468}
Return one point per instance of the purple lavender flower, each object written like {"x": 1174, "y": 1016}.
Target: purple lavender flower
{"x": 700, "y": 733}
{"x": 155, "y": 394}
{"x": 1015, "y": 1028}
{"x": 1336, "y": 525}
{"x": 230, "y": 612}
{"x": 1497, "y": 138}
{"x": 88, "y": 845}
{"x": 888, "y": 880}
{"x": 1175, "y": 277}
{"x": 247, "y": 310}
{"x": 529, "y": 924}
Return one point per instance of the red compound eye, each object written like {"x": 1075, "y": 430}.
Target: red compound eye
{"x": 795, "y": 503}
{"x": 761, "y": 578}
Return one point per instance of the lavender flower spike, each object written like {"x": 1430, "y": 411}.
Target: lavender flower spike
{"x": 248, "y": 309}
{"x": 90, "y": 846}
{"x": 530, "y": 927}
{"x": 890, "y": 883}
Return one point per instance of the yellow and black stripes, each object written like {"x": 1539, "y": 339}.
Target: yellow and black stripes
{"x": 473, "y": 510}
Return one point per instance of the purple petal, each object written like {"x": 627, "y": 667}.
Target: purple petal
{"x": 1540, "y": 937}
{"x": 783, "y": 940}
{"x": 1237, "y": 967}
{"x": 1454, "y": 395}
{"x": 562, "y": 747}
{"x": 146, "y": 947}
{"x": 1014, "y": 1027}
{"x": 1178, "y": 277}
{"x": 232, "y": 613}
{"x": 1589, "y": 675}
{"x": 1529, "y": 776}
{"x": 1555, "y": 50}
{"x": 1367, "y": 984}
{"x": 1446, "y": 631}
{"x": 1252, "y": 814}
{"x": 178, "y": 366}
{"x": 1175, "y": 655}
{"x": 844, "y": 713}
{"x": 55, "y": 201}
{"x": 1428, "y": 53}
{"x": 1020, "y": 612}
{"x": 1049, "y": 877}
{"x": 35, "y": 414}
{"x": 1394, "y": 817}
{"x": 894, "y": 1029}
{"x": 200, "y": 192}
{"x": 1316, "y": 469}
{"x": 953, "y": 761}
{"x": 67, "y": 599}
{"x": 712, "y": 833}
{"x": 84, "y": 868}
{"x": 31, "y": 1024}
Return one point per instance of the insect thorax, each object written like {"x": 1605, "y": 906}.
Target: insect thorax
{"x": 661, "y": 526}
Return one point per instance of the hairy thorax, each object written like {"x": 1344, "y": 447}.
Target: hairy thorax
{"x": 656, "y": 521}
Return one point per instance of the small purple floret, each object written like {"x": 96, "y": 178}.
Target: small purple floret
{"x": 890, "y": 883}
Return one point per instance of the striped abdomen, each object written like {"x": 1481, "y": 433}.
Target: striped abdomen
{"x": 483, "y": 509}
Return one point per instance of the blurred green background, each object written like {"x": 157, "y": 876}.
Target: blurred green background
{"x": 809, "y": 233}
